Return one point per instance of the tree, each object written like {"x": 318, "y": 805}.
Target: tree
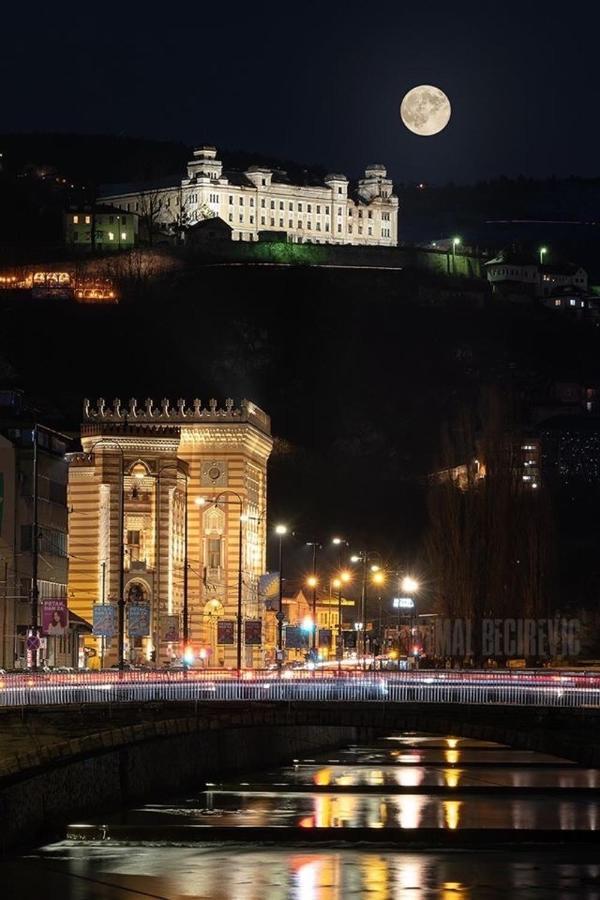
{"x": 149, "y": 211}
{"x": 491, "y": 540}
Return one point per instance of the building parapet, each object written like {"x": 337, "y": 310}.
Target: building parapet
{"x": 180, "y": 414}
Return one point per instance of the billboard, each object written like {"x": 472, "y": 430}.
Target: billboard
{"x": 296, "y": 638}
{"x": 169, "y": 628}
{"x": 104, "y": 620}
{"x": 325, "y": 637}
{"x": 55, "y": 617}
{"x": 252, "y": 631}
{"x": 224, "y": 631}
{"x": 138, "y": 619}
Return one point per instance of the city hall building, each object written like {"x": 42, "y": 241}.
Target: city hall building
{"x": 166, "y": 501}
{"x": 262, "y": 200}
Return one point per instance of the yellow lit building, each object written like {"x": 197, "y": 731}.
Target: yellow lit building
{"x": 155, "y": 486}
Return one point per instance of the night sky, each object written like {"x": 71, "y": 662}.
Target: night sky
{"x": 319, "y": 83}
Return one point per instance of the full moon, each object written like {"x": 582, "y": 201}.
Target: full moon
{"x": 425, "y": 110}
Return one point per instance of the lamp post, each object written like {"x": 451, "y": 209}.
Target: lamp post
{"x": 379, "y": 579}
{"x": 338, "y": 583}
{"x": 543, "y": 251}
{"x": 455, "y": 243}
{"x": 312, "y": 582}
{"x": 410, "y": 586}
{"x": 363, "y": 557}
{"x": 280, "y": 531}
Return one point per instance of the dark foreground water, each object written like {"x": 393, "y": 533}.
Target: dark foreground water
{"x": 404, "y": 785}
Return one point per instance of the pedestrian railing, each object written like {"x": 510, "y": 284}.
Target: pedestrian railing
{"x": 576, "y": 690}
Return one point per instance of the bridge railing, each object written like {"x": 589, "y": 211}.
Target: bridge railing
{"x": 524, "y": 688}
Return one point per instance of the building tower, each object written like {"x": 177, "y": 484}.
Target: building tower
{"x": 159, "y": 494}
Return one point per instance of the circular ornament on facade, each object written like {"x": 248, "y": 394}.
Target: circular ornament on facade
{"x": 214, "y": 473}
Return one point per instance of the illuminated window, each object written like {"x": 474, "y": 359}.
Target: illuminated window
{"x": 88, "y": 220}
{"x": 214, "y": 553}
{"x": 75, "y": 220}
{"x": 123, "y": 235}
{"x": 111, "y": 235}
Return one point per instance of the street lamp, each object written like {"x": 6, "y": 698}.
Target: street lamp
{"x": 543, "y": 251}
{"x": 280, "y": 531}
{"x": 455, "y": 243}
{"x": 409, "y": 585}
{"x": 312, "y": 582}
{"x": 378, "y": 578}
{"x": 363, "y": 557}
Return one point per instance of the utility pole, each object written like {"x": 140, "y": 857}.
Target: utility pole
{"x": 34, "y": 551}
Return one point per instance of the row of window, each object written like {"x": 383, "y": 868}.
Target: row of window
{"x": 51, "y": 541}
{"x": 100, "y": 236}
{"x": 87, "y": 220}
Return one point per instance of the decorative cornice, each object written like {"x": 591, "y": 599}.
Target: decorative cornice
{"x": 181, "y": 414}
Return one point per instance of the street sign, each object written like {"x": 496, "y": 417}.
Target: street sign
{"x": 403, "y": 603}
{"x": 33, "y": 642}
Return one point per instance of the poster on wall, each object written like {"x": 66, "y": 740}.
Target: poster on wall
{"x": 104, "y": 620}
{"x": 138, "y": 619}
{"x": 296, "y": 638}
{"x": 224, "y": 632}
{"x": 169, "y": 628}
{"x": 325, "y": 637}
{"x": 252, "y": 631}
{"x": 55, "y": 617}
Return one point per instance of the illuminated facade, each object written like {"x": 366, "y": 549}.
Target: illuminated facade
{"x": 264, "y": 200}
{"x": 103, "y": 228}
{"x": 143, "y": 476}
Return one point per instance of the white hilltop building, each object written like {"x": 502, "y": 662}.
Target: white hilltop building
{"x": 261, "y": 200}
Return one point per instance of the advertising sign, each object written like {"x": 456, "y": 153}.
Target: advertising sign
{"x": 55, "y": 617}
{"x": 296, "y": 638}
{"x": 324, "y": 637}
{"x": 104, "y": 622}
{"x": 252, "y": 631}
{"x": 169, "y": 628}
{"x": 224, "y": 632}
{"x": 138, "y": 619}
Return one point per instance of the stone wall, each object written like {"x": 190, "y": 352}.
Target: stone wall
{"x": 106, "y": 771}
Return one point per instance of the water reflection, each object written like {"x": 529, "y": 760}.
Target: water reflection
{"x": 241, "y": 873}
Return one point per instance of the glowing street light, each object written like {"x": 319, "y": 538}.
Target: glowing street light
{"x": 312, "y": 581}
{"x": 280, "y": 531}
{"x": 409, "y": 585}
{"x": 543, "y": 251}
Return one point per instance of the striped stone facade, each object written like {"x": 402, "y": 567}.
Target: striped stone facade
{"x": 140, "y": 471}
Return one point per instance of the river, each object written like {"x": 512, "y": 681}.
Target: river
{"x": 410, "y": 816}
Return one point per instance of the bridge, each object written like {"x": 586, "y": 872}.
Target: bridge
{"x": 546, "y": 689}
{"x": 80, "y": 743}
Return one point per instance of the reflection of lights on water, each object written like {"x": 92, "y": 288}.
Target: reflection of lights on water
{"x": 409, "y": 757}
{"x": 452, "y": 756}
{"x": 346, "y": 779}
{"x": 410, "y": 809}
{"x": 452, "y": 743}
{"x": 410, "y": 777}
{"x": 452, "y": 777}
{"x": 307, "y": 879}
{"x": 410, "y": 877}
{"x": 452, "y": 813}
{"x": 323, "y": 776}
{"x": 375, "y": 776}
{"x": 453, "y": 889}
{"x": 375, "y": 877}
{"x": 306, "y": 822}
